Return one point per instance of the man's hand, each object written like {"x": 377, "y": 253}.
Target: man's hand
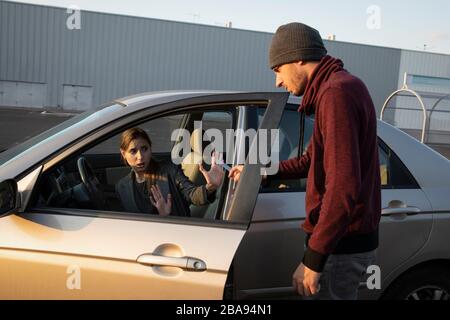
{"x": 306, "y": 281}
{"x": 235, "y": 173}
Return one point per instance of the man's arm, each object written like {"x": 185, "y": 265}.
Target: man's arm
{"x": 295, "y": 168}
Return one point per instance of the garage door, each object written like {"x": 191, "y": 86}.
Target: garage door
{"x": 77, "y": 97}
{"x": 22, "y": 94}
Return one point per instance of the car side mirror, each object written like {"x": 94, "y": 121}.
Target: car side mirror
{"x": 8, "y": 197}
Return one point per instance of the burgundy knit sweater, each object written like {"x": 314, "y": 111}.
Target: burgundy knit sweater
{"x": 343, "y": 194}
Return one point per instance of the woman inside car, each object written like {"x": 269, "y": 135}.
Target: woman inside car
{"x": 160, "y": 187}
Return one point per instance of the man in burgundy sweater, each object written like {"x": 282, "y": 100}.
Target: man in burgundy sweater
{"x": 343, "y": 194}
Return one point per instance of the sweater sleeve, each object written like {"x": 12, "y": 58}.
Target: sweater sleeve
{"x": 295, "y": 168}
{"x": 197, "y": 195}
{"x": 339, "y": 124}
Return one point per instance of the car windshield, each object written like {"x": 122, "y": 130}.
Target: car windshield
{"x": 18, "y": 149}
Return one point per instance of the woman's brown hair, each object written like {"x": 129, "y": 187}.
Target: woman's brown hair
{"x": 131, "y": 134}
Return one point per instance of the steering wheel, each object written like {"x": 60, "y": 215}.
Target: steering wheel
{"x": 90, "y": 181}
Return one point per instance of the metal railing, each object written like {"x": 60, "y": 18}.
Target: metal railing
{"x": 426, "y": 122}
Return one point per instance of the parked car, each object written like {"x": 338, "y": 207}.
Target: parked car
{"x": 57, "y": 241}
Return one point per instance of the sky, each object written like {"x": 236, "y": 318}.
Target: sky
{"x": 415, "y": 25}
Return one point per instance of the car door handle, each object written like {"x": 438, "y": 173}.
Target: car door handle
{"x": 398, "y": 207}
{"x": 186, "y": 263}
{"x": 406, "y": 210}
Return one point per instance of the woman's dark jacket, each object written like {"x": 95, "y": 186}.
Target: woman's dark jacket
{"x": 172, "y": 181}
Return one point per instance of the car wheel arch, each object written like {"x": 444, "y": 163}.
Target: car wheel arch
{"x": 404, "y": 274}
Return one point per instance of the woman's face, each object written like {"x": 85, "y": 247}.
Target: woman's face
{"x": 137, "y": 155}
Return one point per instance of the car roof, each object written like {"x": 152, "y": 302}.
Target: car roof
{"x": 158, "y": 97}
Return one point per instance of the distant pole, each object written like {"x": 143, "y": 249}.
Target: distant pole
{"x": 195, "y": 16}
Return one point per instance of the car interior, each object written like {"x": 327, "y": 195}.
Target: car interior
{"x": 87, "y": 179}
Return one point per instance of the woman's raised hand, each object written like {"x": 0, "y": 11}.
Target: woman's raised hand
{"x": 157, "y": 199}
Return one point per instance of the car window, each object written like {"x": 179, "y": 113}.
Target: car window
{"x": 216, "y": 120}
{"x": 394, "y": 174}
{"x": 384, "y": 166}
{"x": 67, "y": 185}
{"x": 289, "y": 139}
{"x": 159, "y": 129}
{"x": 14, "y": 151}
{"x": 289, "y": 132}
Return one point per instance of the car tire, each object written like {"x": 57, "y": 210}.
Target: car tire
{"x": 427, "y": 283}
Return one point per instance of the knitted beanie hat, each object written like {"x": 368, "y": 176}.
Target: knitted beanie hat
{"x": 294, "y": 42}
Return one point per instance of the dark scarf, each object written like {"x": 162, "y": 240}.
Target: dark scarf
{"x": 327, "y": 66}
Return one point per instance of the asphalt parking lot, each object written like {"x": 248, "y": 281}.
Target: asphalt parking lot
{"x": 18, "y": 125}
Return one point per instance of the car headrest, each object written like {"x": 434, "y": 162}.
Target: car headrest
{"x": 198, "y": 145}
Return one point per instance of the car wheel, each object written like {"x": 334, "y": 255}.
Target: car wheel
{"x": 428, "y": 283}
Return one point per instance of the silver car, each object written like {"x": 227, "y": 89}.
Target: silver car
{"x": 63, "y": 234}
